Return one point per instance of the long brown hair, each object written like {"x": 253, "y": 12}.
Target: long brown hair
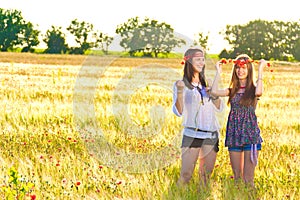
{"x": 188, "y": 71}
{"x": 248, "y": 98}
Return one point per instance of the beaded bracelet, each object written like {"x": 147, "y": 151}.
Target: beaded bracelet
{"x": 213, "y": 98}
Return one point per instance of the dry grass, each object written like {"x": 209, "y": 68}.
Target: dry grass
{"x": 76, "y": 60}
{"x": 44, "y": 153}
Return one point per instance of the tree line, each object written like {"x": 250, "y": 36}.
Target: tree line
{"x": 148, "y": 37}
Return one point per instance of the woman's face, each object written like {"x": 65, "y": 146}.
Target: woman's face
{"x": 241, "y": 72}
{"x": 198, "y": 61}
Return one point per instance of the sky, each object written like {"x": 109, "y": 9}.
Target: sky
{"x": 188, "y": 17}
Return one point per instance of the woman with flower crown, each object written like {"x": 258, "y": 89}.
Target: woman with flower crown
{"x": 243, "y": 137}
{"x": 193, "y": 101}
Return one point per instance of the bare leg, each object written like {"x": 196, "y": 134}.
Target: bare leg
{"x": 189, "y": 158}
{"x": 237, "y": 164}
{"x": 249, "y": 168}
{"x": 207, "y": 162}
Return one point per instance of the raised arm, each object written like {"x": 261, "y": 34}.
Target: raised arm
{"x": 259, "y": 83}
{"x": 215, "y": 99}
{"x": 215, "y": 90}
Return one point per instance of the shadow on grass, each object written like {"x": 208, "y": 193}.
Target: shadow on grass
{"x": 190, "y": 191}
{"x": 238, "y": 190}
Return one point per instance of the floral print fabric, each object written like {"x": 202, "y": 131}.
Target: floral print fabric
{"x": 242, "y": 127}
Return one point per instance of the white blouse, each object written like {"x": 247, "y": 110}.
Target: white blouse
{"x": 197, "y": 115}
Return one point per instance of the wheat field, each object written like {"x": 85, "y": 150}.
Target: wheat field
{"x": 91, "y": 127}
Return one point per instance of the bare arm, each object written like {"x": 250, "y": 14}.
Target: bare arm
{"x": 215, "y": 99}
{"x": 259, "y": 85}
{"x": 179, "y": 100}
{"x": 215, "y": 90}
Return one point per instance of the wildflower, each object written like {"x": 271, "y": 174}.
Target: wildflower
{"x": 78, "y": 183}
{"x": 223, "y": 61}
{"x": 64, "y": 180}
{"x": 32, "y": 196}
{"x": 292, "y": 155}
{"x": 119, "y": 182}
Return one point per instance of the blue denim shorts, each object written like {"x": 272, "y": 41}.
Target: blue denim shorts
{"x": 246, "y": 147}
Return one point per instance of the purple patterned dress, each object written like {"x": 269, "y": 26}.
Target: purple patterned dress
{"x": 242, "y": 127}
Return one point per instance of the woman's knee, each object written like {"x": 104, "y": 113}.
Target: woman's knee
{"x": 186, "y": 176}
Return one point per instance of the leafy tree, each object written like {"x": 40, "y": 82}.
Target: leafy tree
{"x": 202, "y": 40}
{"x": 30, "y": 38}
{"x": 102, "y": 41}
{"x": 149, "y": 37}
{"x": 296, "y": 50}
{"x": 82, "y": 32}
{"x": 126, "y": 31}
{"x": 291, "y": 38}
{"x": 12, "y": 25}
{"x": 251, "y": 38}
{"x": 263, "y": 39}
{"x": 55, "y": 40}
{"x": 224, "y": 54}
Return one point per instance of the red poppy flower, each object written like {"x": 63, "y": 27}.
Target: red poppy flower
{"x": 240, "y": 63}
{"x": 185, "y": 58}
{"x": 119, "y": 182}
{"x": 182, "y": 62}
{"x": 268, "y": 64}
{"x": 223, "y": 61}
{"x": 32, "y": 196}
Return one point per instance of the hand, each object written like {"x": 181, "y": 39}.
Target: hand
{"x": 219, "y": 67}
{"x": 262, "y": 64}
{"x": 180, "y": 86}
{"x": 209, "y": 84}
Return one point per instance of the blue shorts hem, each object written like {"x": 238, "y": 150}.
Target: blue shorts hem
{"x": 246, "y": 147}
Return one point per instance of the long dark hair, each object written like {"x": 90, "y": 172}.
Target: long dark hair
{"x": 188, "y": 71}
{"x": 248, "y": 98}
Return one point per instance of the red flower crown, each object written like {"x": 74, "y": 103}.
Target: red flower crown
{"x": 187, "y": 57}
{"x": 241, "y": 62}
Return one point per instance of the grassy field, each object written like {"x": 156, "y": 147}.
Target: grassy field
{"x": 90, "y": 127}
